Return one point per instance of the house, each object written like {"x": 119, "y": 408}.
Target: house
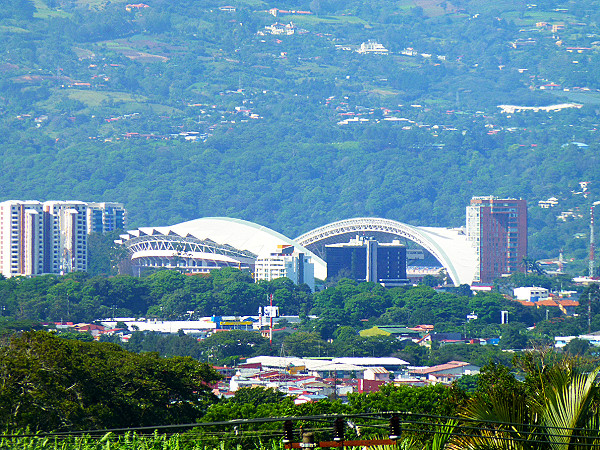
{"x": 592, "y": 338}
{"x": 577, "y": 49}
{"x": 568, "y": 306}
{"x": 308, "y": 398}
{"x": 377, "y": 373}
{"x": 550, "y": 86}
{"x": 93, "y": 329}
{"x": 389, "y": 363}
{"x": 274, "y": 12}
{"x": 138, "y": 6}
{"x": 398, "y": 331}
{"x": 444, "y": 373}
{"x": 373, "y": 379}
{"x": 550, "y": 203}
{"x": 317, "y": 387}
{"x": 372, "y": 47}
{"x": 281, "y": 29}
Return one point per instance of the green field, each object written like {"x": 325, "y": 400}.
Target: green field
{"x": 97, "y": 4}
{"x": 383, "y": 92}
{"x": 531, "y": 17}
{"x": 331, "y": 20}
{"x": 10, "y": 29}
{"x": 95, "y": 98}
{"x": 585, "y": 97}
{"x": 44, "y": 12}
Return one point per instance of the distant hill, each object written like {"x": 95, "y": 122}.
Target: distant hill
{"x": 266, "y": 112}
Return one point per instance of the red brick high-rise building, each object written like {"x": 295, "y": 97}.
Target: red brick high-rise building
{"x": 497, "y": 227}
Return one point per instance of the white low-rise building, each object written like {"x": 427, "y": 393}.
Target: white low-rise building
{"x": 281, "y": 29}
{"x": 531, "y": 294}
{"x": 372, "y": 47}
{"x": 285, "y": 261}
{"x": 592, "y": 338}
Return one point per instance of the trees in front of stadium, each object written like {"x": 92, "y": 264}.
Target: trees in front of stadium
{"x": 49, "y": 383}
{"x": 304, "y": 344}
{"x": 229, "y": 347}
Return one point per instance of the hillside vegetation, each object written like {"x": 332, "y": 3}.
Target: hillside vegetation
{"x": 186, "y": 109}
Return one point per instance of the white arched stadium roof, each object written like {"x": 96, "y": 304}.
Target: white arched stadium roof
{"x": 448, "y": 245}
{"x": 237, "y": 233}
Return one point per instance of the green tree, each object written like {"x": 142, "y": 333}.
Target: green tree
{"x": 513, "y": 337}
{"x": 51, "y": 383}
{"x": 229, "y": 347}
{"x": 257, "y": 395}
{"x": 303, "y": 344}
{"x": 556, "y": 405}
{"x": 577, "y": 347}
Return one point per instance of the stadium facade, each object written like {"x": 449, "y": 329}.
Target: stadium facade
{"x": 202, "y": 245}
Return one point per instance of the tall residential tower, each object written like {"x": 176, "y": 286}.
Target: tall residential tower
{"x": 497, "y": 228}
{"x": 21, "y": 238}
{"x": 51, "y": 237}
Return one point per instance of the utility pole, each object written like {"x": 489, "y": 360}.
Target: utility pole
{"x": 592, "y": 242}
{"x": 589, "y": 312}
{"x": 271, "y": 321}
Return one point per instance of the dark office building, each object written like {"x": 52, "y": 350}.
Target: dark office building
{"x": 365, "y": 259}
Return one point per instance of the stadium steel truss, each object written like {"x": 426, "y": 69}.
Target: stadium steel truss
{"x": 172, "y": 251}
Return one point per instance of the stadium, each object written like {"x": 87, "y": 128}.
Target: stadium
{"x": 202, "y": 245}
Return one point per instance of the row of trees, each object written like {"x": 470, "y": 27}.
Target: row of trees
{"x": 233, "y": 347}
{"x": 165, "y": 294}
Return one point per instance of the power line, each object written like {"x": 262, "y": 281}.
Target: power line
{"x": 427, "y": 424}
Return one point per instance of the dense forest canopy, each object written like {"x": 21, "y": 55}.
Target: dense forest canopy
{"x": 186, "y": 109}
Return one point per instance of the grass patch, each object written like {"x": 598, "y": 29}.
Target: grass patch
{"x": 10, "y": 29}
{"x": 330, "y": 20}
{"x": 382, "y": 92}
{"x": 589, "y": 98}
{"x": 117, "y": 46}
{"x": 205, "y": 88}
{"x": 117, "y": 103}
{"x": 96, "y": 98}
{"x": 431, "y": 8}
{"x": 252, "y": 3}
{"x": 83, "y": 53}
{"x": 43, "y": 12}
{"x": 163, "y": 109}
{"x": 530, "y": 18}
{"x": 313, "y": 68}
{"x": 347, "y": 145}
{"x": 98, "y": 4}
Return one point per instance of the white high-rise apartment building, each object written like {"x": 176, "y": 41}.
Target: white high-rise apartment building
{"x": 37, "y": 238}
{"x": 106, "y": 216}
{"x": 66, "y": 236}
{"x": 21, "y": 238}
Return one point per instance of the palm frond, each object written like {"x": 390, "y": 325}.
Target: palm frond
{"x": 568, "y": 398}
